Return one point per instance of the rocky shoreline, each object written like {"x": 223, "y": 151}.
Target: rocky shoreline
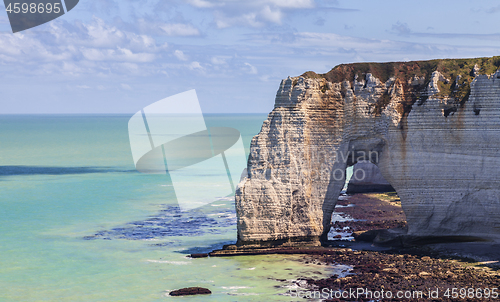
{"x": 405, "y": 273}
{"x": 419, "y": 271}
{"x": 430, "y": 269}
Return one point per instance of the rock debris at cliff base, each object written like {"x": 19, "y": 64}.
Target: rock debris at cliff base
{"x": 402, "y": 272}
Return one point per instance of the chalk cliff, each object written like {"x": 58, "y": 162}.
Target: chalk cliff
{"x": 432, "y": 127}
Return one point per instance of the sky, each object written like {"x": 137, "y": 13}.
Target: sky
{"x": 108, "y": 56}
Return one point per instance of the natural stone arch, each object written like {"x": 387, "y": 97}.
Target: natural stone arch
{"x": 360, "y": 149}
{"x": 438, "y": 153}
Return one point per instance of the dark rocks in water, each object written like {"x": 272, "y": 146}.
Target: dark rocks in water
{"x": 199, "y": 255}
{"x": 171, "y": 221}
{"x": 244, "y": 250}
{"x": 189, "y": 291}
{"x": 204, "y": 249}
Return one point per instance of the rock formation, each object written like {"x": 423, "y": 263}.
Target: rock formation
{"x": 190, "y": 291}
{"x": 432, "y": 127}
{"x": 367, "y": 178}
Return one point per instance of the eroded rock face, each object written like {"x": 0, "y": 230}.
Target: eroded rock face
{"x": 435, "y": 141}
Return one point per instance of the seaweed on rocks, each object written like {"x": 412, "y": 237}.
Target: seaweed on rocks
{"x": 171, "y": 221}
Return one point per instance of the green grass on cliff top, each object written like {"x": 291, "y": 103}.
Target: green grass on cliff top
{"x": 450, "y": 68}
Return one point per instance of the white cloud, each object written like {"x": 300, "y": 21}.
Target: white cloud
{"x": 256, "y": 3}
{"x": 228, "y": 13}
{"x": 102, "y": 35}
{"x": 180, "y": 55}
{"x": 68, "y": 68}
{"x": 125, "y": 86}
{"x": 119, "y": 54}
{"x": 249, "y": 19}
{"x": 252, "y": 69}
{"x": 83, "y": 86}
{"x": 218, "y": 60}
{"x": 271, "y": 15}
{"x": 195, "y": 65}
{"x": 201, "y": 3}
{"x": 265, "y": 78}
{"x": 180, "y": 29}
{"x": 293, "y": 3}
{"x": 72, "y": 49}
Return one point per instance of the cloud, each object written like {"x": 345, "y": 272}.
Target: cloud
{"x": 271, "y": 14}
{"x": 118, "y": 54}
{"x": 401, "y": 29}
{"x": 239, "y": 13}
{"x": 313, "y": 47}
{"x": 293, "y": 3}
{"x": 125, "y": 86}
{"x": 257, "y": 3}
{"x": 72, "y": 48}
{"x": 158, "y": 27}
{"x": 101, "y": 6}
{"x": 320, "y": 21}
{"x": 248, "y": 19}
{"x": 180, "y": 29}
{"x": 180, "y": 55}
{"x": 218, "y": 60}
{"x": 493, "y": 9}
{"x": 195, "y": 65}
{"x": 201, "y": 3}
{"x": 110, "y": 49}
{"x": 252, "y": 69}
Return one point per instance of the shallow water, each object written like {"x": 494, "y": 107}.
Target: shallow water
{"x": 80, "y": 224}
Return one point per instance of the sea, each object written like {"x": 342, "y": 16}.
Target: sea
{"x": 78, "y": 222}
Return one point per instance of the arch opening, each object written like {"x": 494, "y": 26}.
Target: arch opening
{"x": 368, "y": 206}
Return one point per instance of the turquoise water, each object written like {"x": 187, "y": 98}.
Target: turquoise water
{"x": 78, "y": 223}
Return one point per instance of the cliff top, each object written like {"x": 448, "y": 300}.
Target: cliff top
{"x": 450, "y": 68}
{"x": 415, "y": 76}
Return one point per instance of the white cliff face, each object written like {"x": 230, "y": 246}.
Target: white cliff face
{"x": 287, "y": 180}
{"x": 443, "y": 166}
{"x": 433, "y": 87}
{"x": 446, "y": 168}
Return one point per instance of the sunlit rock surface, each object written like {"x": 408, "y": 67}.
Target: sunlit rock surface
{"x": 432, "y": 127}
